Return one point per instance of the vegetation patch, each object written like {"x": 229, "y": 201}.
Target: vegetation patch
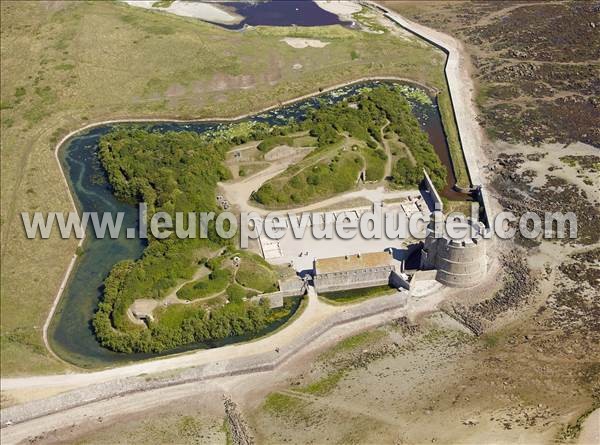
{"x": 250, "y": 168}
{"x": 281, "y": 404}
{"x": 211, "y": 285}
{"x": 324, "y": 385}
{"x": 271, "y": 142}
{"x": 355, "y": 295}
{"x": 176, "y": 172}
{"x": 354, "y": 342}
{"x": 335, "y": 165}
{"x": 374, "y": 161}
{"x": 587, "y": 162}
{"x": 256, "y": 276}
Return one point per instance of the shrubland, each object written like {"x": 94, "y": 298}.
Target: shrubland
{"x": 335, "y": 165}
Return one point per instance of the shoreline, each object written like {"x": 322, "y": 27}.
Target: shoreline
{"x": 344, "y": 9}
{"x": 325, "y": 321}
{"x": 207, "y": 12}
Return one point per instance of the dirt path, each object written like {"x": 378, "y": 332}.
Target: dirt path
{"x": 238, "y": 193}
{"x": 172, "y": 297}
{"x": 138, "y": 401}
{"x": 149, "y": 305}
{"x": 388, "y": 152}
{"x": 314, "y": 313}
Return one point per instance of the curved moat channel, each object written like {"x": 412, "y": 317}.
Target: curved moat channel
{"x": 71, "y": 334}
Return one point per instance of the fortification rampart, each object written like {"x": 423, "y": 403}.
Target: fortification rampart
{"x": 294, "y": 287}
{"x": 358, "y": 279}
{"x": 433, "y": 195}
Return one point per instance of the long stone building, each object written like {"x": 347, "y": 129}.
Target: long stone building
{"x": 353, "y": 271}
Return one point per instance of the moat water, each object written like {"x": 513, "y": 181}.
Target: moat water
{"x": 71, "y": 333}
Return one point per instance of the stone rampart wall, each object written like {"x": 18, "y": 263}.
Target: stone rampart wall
{"x": 335, "y": 281}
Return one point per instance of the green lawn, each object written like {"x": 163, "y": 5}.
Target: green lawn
{"x": 255, "y": 276}
{"x": 172, "y": 316}
{"x": 375, "y": 159}
{"x": 324, "y": 385}
{"x": 213, "y": 284}
{"x": 356, "y": 295}
{"x": 320, "y": 177}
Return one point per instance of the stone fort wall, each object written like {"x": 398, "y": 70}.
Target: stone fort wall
{"x": 355, "y": 279}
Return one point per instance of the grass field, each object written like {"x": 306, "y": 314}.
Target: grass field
{"x": 213, "y": 284}
{"x": 356, "y": 295}
{"x": 67, "y": 64}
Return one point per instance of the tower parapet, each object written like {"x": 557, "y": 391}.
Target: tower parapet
{"x": 460, "y": 261}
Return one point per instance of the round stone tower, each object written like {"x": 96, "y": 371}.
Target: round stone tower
{"x": 460, "y": 259}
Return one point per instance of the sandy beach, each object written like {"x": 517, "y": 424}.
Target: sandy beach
{"x": 296, "y": 42}
{"x": 343, "y": 9}
{"x": 202, "y": 11}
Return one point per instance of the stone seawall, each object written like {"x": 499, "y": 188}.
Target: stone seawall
{"x": 294, "y": 287}
{"x": 337, "y": 281}
{"x": 238, "y": 366}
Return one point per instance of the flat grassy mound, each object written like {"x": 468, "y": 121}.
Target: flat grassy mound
{"x": 356, "y": 295}
{"x": 333, "y": 172}
{"x": 256, "y": 276}
{"x": 374, "y": 161}
{"x": 173, "y": 315}
{"x": 236, "y": 293}
{"x": 213, "y": 284}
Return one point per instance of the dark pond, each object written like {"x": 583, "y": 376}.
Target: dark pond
{"x": 282, "y": 13}
{"x": 71, "y": 334}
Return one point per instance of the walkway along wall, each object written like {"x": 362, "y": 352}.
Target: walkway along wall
{"x": 294, "y": 287}
{"x": 461, "y": 108}
{"x": 390, "y": 306}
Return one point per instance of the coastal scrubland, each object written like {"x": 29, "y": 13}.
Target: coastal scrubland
{"x": 68, "y": 64}
{"x": 178, "y": 172}
{"x": 536, "y": 64}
